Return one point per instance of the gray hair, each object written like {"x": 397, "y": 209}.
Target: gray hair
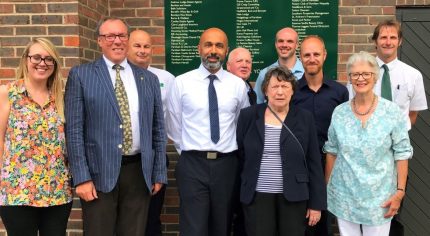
{"x": 363, "y": 57}
{"x": 104, "y": 19}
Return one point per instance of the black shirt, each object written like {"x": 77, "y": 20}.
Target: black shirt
{"x": 321, "y": 103}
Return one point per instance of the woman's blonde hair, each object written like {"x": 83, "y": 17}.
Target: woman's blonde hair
{"x": 55, "y": 81}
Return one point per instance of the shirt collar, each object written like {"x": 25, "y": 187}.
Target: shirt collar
{"x": 204, "y": 73}
{"x": 110, "y": 64}
{"x": 297, "y": 68}
{"x": 391, "y": 65}
{"x": 303, "y": 83}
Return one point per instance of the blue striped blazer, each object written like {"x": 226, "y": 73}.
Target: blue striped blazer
{"x": 92, "y": 126}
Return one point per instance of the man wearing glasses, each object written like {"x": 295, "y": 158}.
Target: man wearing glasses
{"x": 115, "y": 137}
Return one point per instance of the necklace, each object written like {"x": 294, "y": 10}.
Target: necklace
{"x": 366, "y": 112}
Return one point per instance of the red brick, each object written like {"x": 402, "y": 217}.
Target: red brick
{"x": 158, "y": 50}
{"x": 7, "y": 73}
{"x": 71, "y": 19}
{"x": 6, "y": 30}
{"x": 382, "y": 2}
{"x": 157, "y": 3}
{"x": 30, "y": 8}
{"x": 136, "y": 3}
{"x": 6, "y": 8}
{"x": 62, "y": 7}
{"x": 2, "y": 82}
{"x": 14, "y": 41}
{"x": 63, "y": 30}
{"x": 6, "y": 52}
{"x": 389, "y": 10}
{"x": 157, "y": 40}
{"x": 354, "y": 3}
{"x": 374, "y": 20}
{"x": 72, "y": 41}
{"x": 354, "y": 20}
{"x": 47, "y": 19}
{"x": 31, "y": 30}
{"x": 123, "y": 12}
{"x": 14, "y": 20}
{"x": 368, "y": 11}
{"x": 150, "y": 12}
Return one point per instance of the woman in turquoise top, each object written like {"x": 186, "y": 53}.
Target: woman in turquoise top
{"x": 367, "y": 150}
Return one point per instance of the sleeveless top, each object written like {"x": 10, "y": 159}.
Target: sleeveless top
{"x": 34, "y": 169}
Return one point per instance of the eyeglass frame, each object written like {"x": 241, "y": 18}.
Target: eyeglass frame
{"x": 115, "y": 36}
{"x": 42, "y": 59}
{"x": 361, "y": 75}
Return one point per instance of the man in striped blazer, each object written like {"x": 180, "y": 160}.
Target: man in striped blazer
{"x": 115, "y": 136}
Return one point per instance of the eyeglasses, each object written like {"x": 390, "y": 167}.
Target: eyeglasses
{"x": 112, "y": 37}
{"x": 37, "y": 59}
{"x": 365, "y": 75}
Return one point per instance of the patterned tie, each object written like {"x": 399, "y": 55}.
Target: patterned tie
{"x": 251, "y": 93}
{"x": 386, "y": 84}
{"x": 121, "y": 96}
{"x": 213, "y": 110}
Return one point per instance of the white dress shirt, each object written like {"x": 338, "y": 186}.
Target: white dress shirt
{"x": 165, "y": 78}
{"x": 127, "y": 78}
{"x": 188, "y": 110}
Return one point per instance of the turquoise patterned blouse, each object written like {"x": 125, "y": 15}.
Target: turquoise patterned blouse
{"x": 365, "y": 173}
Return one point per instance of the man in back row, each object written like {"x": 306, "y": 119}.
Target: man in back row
{"x": 320, "y": 96}
{"x": 398, "y": 82}
{"x": 140, "y": 54}
{"x": 239, "y": 63}
{"x": 286, "y": 44}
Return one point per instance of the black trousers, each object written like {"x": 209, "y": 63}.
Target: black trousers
{"x": 206, "y": 193}
{"x": 123, "y": 211}
{"x": 270, "y": 214}
{"x": 28, "y": 221}
{"x": 153, "y": 225}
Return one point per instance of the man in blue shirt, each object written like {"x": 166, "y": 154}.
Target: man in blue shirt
{"x": 286, "y": 44}
{"x": 320, "y": 96}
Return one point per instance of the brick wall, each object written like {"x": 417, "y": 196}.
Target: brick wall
{"x": 70, "y": 24}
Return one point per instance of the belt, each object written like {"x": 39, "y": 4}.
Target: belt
{"x": 210, "y": 155}
{"x": 130, "y": 159}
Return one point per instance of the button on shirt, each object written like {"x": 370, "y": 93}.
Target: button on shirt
{"x": 127, "y": 78}
{"x": 188, "y": 110}
{"x": 297, "y": 71}
{"x": 321, "y": 103}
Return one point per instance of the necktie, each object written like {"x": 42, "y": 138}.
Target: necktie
{"x": 213, "y": 110}
{"x": 121, "y": 96}
{"x": 386, "y": 84}
{"x": 251, "y": 93}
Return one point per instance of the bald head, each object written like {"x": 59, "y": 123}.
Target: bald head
{"x": 213, "y": 48}
{"x": 286, "y": 43}
{"x": 240, "y": 63}
{"x": 140, "y": 48}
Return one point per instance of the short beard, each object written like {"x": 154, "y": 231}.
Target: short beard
{"x": 212, "y": 65}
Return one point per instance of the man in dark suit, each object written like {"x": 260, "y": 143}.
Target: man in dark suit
{"x": 239, "y": 63}
{"x": 115, "y": 136}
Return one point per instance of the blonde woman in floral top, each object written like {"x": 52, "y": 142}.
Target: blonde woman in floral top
{"x": 35, "y": 189}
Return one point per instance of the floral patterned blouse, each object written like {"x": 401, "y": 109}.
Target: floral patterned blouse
{"x": 34, "y": 169}
{"x": 365, "y": 173}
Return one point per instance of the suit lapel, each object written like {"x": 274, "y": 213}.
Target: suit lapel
{"x": 259, "y": 122}
{"x": 290, "y": 121}
{"x": 105, "y": 80}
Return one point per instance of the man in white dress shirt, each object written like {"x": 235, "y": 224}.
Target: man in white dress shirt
{"x": 203, "y": 106}
{"x": 407, "y": 87}
{"x": 140, "y": 54}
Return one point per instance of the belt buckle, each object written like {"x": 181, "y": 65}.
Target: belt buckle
{"x": 211, "y": 155}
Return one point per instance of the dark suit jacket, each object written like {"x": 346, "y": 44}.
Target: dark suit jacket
{"x": 303, "y": 177}
{"x": 92, "y": 126}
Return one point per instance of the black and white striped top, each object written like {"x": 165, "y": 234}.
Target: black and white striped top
{"x": 270, "y": 176}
